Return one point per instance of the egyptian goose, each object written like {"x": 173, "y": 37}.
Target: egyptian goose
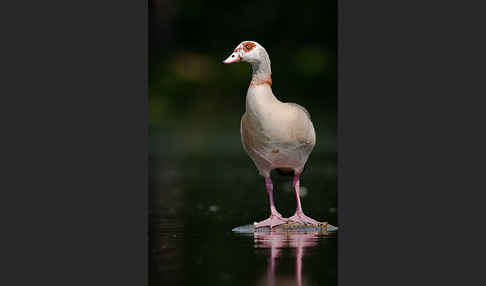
{"x": 275, "y": 134}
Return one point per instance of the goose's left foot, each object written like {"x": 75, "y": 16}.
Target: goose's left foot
{"x": 300, "y": 217}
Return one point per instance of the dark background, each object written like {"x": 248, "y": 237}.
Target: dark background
{"x": 196, "y": 102}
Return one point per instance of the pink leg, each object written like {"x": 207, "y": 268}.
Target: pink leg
{"x": 275, "y": 217}
{"x": 299, "y": 215}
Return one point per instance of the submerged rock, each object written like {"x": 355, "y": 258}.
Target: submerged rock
{"x": 286, "y": 227}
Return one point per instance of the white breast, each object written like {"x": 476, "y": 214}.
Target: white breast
{"x": 285, "y": 133}
{"x": 276, "y": 120}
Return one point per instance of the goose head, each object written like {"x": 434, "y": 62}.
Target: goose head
{"x": 248, "y": 51}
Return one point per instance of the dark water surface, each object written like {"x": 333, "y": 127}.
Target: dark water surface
{"x": 226, "y": 258}
{"x": 196, "y": 201}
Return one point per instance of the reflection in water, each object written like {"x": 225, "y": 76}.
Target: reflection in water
{"x": 276, "y": 241}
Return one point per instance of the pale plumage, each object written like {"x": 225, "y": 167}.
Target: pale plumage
{"x": 274, "y": 134}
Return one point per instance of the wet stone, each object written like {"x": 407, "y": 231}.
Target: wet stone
{"x": 287, "y": 227}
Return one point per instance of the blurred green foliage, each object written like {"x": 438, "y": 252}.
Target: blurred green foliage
{"x": 192, "y": 94}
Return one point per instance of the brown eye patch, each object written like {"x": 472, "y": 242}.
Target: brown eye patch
{"x": 248, "y": 46}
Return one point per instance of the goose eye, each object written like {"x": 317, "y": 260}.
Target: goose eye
{"x": 248, "y": 47}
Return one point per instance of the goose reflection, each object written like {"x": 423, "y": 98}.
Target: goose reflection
{"x": 276, "y": 241}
